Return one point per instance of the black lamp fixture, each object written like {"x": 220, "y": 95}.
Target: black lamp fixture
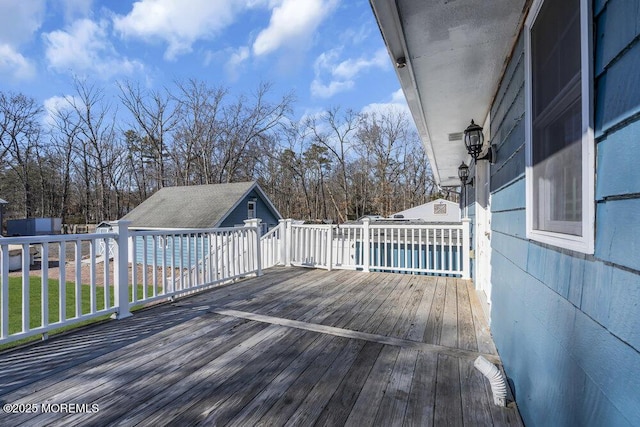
{"x": 463, "y": 173}
{"x": 473, "y": 140}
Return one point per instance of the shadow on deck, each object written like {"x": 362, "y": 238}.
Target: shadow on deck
{"x": 293, "y": 347}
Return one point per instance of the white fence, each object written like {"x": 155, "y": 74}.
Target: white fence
{"x": 145, "y": 266}
{"x": 73, "y": 284}
{"x": 406, "y": 248}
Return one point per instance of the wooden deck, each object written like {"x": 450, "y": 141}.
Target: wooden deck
{"x": 293, "y": 347}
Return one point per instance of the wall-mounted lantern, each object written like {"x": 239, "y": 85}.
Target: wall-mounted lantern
{"x": 473, "y": 140}
{"x": 463, "y": 173}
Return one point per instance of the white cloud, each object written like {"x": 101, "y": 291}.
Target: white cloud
{"x": 19, "y": 20}
{"x": 236, "y": 59}
{"x": 14, "y": 64}
{"x": 352, "y": 67}
{"x": 56, "y": 104}
{"x": 396, "y": 103}
{"x": 85, "y": 48}
{"x": 74, "y": 9}
{"x": 398, "y": 97}
{"x": 292, "y": 23}
{"x": 322, "y": 90}
{"x": 333, "y": 76}
{"x": 179, "y": 24}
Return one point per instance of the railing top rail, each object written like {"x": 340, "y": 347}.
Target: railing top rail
{"x": 53, "y": 238}
{"x": 418, "y": 226}
{"x": 271, "y": 232}
{"x": 322, "y": 226}
{"x": 179, "y": 231}
{"x": 374, "y": 225}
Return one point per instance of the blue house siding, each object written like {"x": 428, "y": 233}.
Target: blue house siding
{"x": 239, "y": 214}
{"x": 567, "y": 325}
{"x": 403, "y": 256}
{"x": 182, "y": 250}
{"x": 471, "y": 214}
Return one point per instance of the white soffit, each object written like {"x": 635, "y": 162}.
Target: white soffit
{"x": 455, "y": 52}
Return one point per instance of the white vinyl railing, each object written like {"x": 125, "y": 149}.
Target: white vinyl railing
{"x": 73, "y": 284}
{"x": 36, "y": 304}
{"x": 272, "y": 246}
{"x": 171, "y": 263}
{"x": 407, "y": 248}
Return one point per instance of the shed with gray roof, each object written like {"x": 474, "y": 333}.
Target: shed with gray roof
{"x": 204, "y": 206}
{"x": 197, "y": 207}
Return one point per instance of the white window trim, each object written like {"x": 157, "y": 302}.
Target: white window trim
{"x": 254, "y": 209}
{"x": 586, "y": 242}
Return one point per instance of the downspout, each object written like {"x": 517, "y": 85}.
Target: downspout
{"x": 493, "y": 374}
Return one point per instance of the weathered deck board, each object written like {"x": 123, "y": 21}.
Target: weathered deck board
{"x": 330, "y": 400}
{"x": 448, "y": 411}
{"x": 421, "y": 402}
{"x": 293, "y": 347}
{"x": 433, "y": 328}
{"x": 364, "y": 410}
{"x": 466, "y": 331}
{"x": 483, "y": 334}
{"x": 394, "y": 403}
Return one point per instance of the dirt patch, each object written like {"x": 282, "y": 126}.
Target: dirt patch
{"x": 86, "y": 273}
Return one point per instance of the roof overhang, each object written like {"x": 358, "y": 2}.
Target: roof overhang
{"x": 455, "y": 53}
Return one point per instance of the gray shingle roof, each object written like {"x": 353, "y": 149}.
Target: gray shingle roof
{"x": 196, "y": 206}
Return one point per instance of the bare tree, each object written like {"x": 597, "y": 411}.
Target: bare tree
{"x": 334, "y": 130}
{"x": 247, "y": 127}
{"x": 199, "y": 131}
{"x": 97, "y": 149}
{"x": 20, "y": 133}
{"x": 64, "y": 132}
{"x": 155, "y": 118}
{"x": 383, "y": 136}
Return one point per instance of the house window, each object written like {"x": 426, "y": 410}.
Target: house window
{"x": 560, "y": 148}
{"x": 251, "y": 209}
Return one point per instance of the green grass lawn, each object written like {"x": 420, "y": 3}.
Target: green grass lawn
{"x": 35, "y": 304}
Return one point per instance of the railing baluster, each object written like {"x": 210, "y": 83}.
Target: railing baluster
{"x": 181, "y": 262}
{"x": 106, "y": 282}
{"x": 4, "y": 307}
{"x": 92, "y": 277}
{"x": 25, "y": 287}
{"x": 216, "y": 254}
{"x": 173, "y": 263}
{"x": 44, "y": 282}
{"x": 154, "y": 263}
{"x": 62, "y": 284}
{"x": 134, "y": 267}
{"x": 163, "y": 249}
{"x": 450, "y": 246}
{"x": 145, "y": 273}
{"x": 78, "y": 284}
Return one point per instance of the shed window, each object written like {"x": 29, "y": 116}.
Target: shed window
{"x": 251, "y": 209}
{"x": 560, "y": 171}
{"x": 440, "y": 209}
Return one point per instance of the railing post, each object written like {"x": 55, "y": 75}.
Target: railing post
{"x": 330, "y": 248}
{"x": 255, "y": 223}
{"x": 121, "y": 270}
{"x": 282, "y": 256}
{"x": 466, "y": 243}
{"x": 366, "y": 247}
{"x": 288, "y": 237}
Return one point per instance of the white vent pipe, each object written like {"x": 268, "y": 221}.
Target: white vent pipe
{"x": 493, "y": 374}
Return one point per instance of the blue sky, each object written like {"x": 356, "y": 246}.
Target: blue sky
{"x": 329, "y": 52}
